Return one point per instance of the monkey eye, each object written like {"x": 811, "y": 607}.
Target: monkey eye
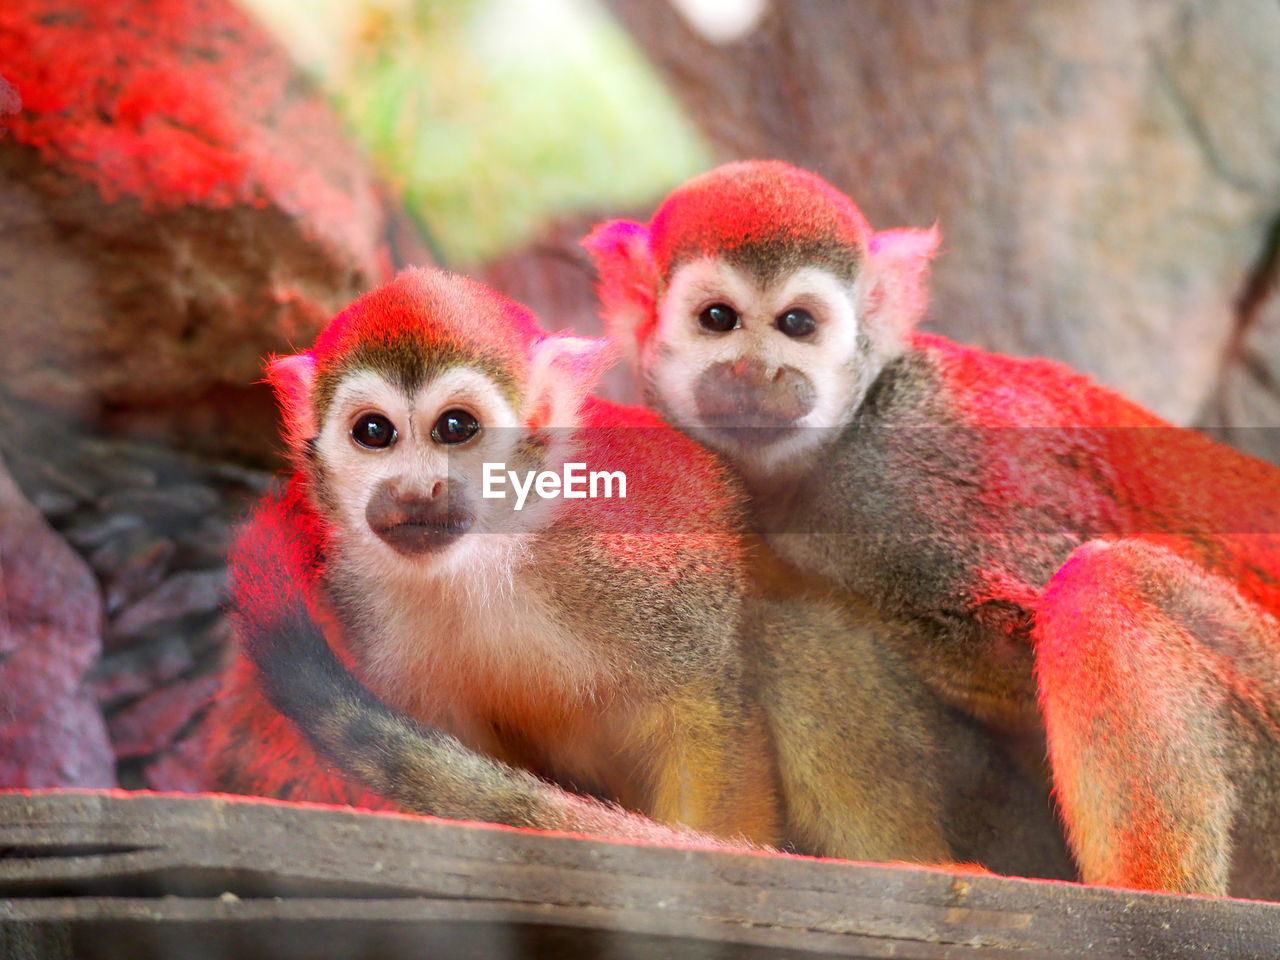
{"x": 374, "y": 431}
{"x": 720, "y": 318}
{"x": 455, "y": 426}
{"x": 796, "y": 322}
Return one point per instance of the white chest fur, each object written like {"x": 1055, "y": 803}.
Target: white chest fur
{"x": 468, "y": 653}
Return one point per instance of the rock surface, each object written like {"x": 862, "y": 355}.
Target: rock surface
{"x": 50, "y": 635}
{"x": 1106, "y": 176}
{"x": 152, "y": 525}
{"x": 1245, "y": 408}
{"x": 176, "y": 202}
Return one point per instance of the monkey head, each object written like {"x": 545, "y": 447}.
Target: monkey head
{"x": 758, "y": 306}
{"x": 406, "y": 394}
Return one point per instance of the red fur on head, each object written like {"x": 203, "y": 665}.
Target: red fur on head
{"x": 757, "y": 203}
{"x": 431, "y": 307}
{"x": 770, "y": 216}
{"x": 427, "y": 319}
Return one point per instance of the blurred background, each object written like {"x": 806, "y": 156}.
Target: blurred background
{"x": 189, "y": 185}
{"x": 491, "y": 117}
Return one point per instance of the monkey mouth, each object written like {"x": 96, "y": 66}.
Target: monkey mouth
{"x": 749, "y": 405}
{"x": 418, "y": 536}
{"x": 749, "y": 432}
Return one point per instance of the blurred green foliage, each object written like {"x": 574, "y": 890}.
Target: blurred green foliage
{"x": 491, "y": 115}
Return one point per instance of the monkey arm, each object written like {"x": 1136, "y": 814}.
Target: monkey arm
{"x": 423, "y": 770}
{"x": 863, "y": 783}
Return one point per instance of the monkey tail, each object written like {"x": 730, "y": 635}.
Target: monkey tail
{"x": 276, "y": 562}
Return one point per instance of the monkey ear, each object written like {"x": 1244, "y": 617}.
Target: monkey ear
{"x": 291, "y": 377}
{"x": 628, "y": 282}
{"x": 562, "y": 371}
{"x": 895, "y": 286}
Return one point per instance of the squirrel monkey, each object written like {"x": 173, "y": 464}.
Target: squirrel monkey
{"x": 589, "y": 640}
{"x": 480, "y": 660}
{"x": 1072, "y": 563}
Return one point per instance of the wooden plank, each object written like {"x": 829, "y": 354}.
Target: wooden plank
{"x": 131, "y": 875}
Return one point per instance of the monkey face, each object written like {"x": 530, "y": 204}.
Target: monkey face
{"x": 759, "y": 368}
{"x": 758, "y": 308}
{"x": 404, "y": 466}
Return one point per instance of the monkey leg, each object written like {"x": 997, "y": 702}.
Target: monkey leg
{"x": 708, "y": 764}
{"x": 857, "y": 759}
{"x": 1159, "y": 685}
{"x": 872, "y": 766}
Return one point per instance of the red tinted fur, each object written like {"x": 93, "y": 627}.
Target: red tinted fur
{"x": 783, "y": 203}
{"x": 1175, "y": 487}
{"x": 278, "y": 564}
{"x": 420, "y": 307}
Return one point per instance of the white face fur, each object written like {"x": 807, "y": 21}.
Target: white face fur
{"x": 416, "y": 463}
{"x": 455, "y": 632}
{"x": 681, "y": 349}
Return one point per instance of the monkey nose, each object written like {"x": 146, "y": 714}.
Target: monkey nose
{"x": 414, "y": 519}
{"x": 408, "y": 495}
{"x": 753, "y": 388}
{"x": 759, "y": 401}
{"x": 751, "y": 372}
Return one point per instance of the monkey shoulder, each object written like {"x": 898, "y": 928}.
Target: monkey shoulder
{"x": 674, "y": 484}
{"x": 997, "y": 390}
{"x": 1104, "y": 466}
{"x": 664, "y": 565}
{"x": 283, "y": 526}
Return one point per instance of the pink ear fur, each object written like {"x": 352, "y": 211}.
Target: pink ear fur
{"x": 895, "y": 287}
{"x": 628, "y": 282}
{"x": 562, "y": 371}
{"x": 291, "y": 378}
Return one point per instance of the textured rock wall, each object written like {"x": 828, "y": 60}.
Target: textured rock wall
{"x": 51, "y": 729}
{"x": 176, "y": 202}
{"x": 113, "y": 603}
